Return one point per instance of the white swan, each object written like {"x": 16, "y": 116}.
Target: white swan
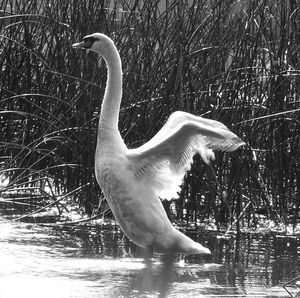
{"x": 134, "y": 180}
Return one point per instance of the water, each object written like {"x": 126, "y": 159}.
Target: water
{"x": 97, "y": 261}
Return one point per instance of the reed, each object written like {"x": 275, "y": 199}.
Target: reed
{"x": 233, "y": 61}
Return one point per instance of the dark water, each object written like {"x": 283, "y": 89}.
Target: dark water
{"x": 97, "y": 261}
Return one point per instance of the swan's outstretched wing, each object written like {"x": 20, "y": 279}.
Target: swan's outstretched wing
{"x": 163, "y": 161}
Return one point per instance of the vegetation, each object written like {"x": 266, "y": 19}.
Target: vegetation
{"x": 234, "y": 61}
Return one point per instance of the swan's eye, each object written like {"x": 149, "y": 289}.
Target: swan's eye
{"x": 88, "y": 41}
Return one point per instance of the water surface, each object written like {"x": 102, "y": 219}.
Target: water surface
{"x": 97, "y": 261}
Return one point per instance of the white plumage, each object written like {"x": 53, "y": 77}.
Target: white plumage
{"x": 134, "y": 180}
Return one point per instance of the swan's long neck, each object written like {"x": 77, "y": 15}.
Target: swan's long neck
{"x": 109, "y": 116}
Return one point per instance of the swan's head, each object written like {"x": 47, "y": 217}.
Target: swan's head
{"x": 96, "y": 42}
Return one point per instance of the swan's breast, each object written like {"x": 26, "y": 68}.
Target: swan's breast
{"x": 116, "y": 182}
{"x": 138, "y": 211}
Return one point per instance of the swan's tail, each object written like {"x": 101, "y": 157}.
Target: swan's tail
{"x": 186, "y": 245}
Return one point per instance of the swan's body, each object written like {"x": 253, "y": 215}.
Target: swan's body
{"x": 134, "y": 180}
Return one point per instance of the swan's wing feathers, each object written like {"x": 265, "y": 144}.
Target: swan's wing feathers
{"x": 164, "y": 160}
{"x": 175, "y": 120}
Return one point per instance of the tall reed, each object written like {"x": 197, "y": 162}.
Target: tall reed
{"x": 233, "y": 61}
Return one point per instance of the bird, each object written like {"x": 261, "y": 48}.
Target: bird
{"x": 134, "y": 181}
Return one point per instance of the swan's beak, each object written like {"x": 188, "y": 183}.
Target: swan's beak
{"x": 85, "y": 44}
{"x": 80, "y": 45}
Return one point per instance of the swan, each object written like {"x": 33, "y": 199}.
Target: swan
{"x": 134, "y": 180}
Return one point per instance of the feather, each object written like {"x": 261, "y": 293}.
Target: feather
{"x": 167, "y": 157}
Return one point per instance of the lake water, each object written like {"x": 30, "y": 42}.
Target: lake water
{"x": 97, "y": 261}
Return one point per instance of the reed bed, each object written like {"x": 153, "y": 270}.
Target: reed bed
{"x": 234, "y": 61}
